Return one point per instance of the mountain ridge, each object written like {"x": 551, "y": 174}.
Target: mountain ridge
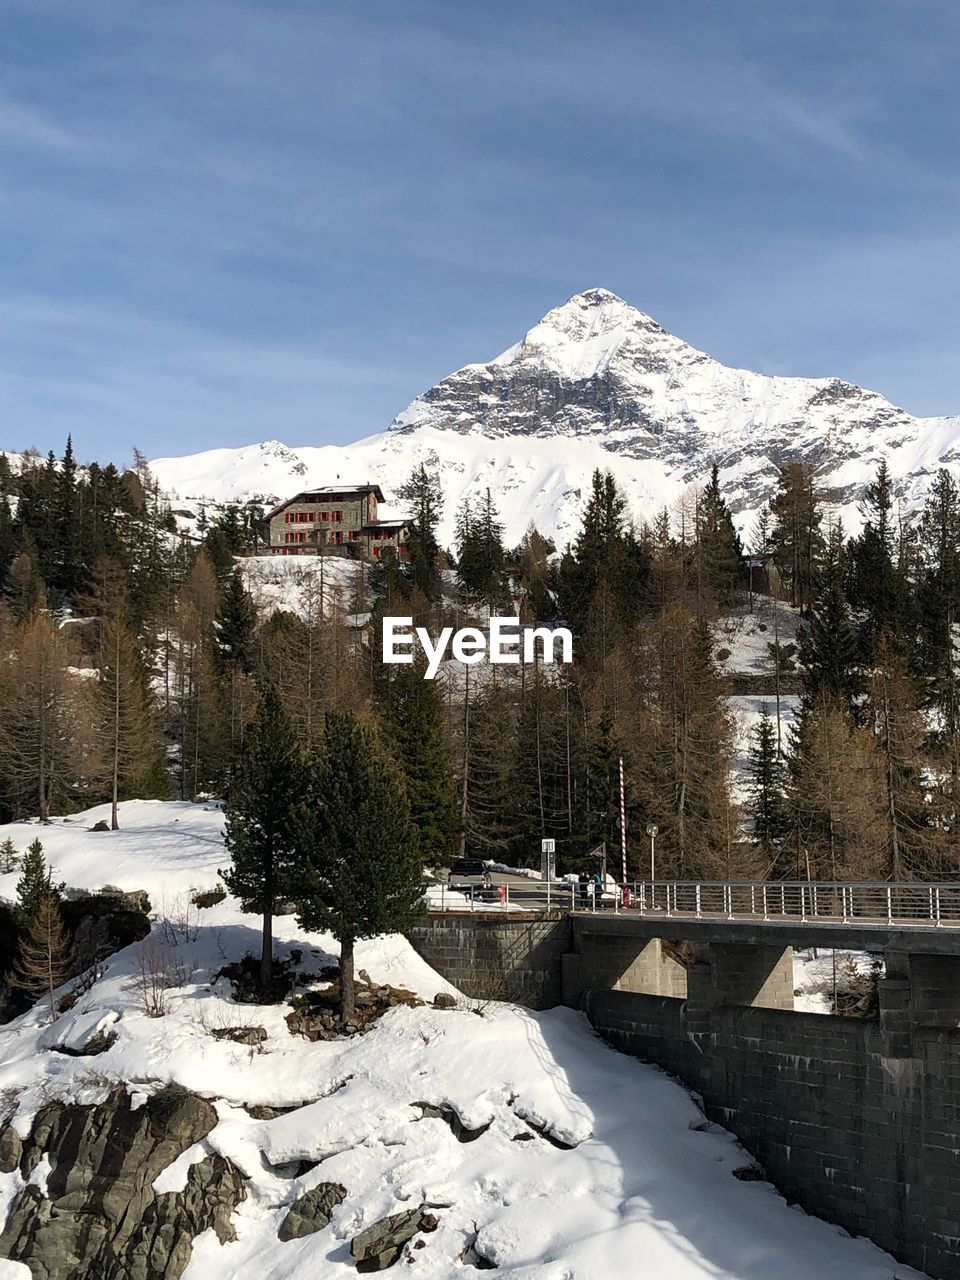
{"x": 606, "y": 385}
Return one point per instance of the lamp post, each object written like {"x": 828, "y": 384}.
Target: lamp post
{"x": 652, "y": 830}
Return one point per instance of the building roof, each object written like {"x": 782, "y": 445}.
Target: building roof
{"x": 326, "y": 491}
{"x": 386, "y": 524}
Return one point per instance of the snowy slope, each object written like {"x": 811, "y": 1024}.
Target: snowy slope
{"x": 598, "y": 383}
{"x": 640, "y": 1182}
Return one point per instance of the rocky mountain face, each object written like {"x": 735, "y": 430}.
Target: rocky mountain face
{"x": 598, "y": 383}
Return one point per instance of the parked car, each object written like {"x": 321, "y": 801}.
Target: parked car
{"x": 469, "y": 873}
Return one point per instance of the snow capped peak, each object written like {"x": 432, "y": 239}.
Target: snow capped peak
{"x": 598, "y": 383}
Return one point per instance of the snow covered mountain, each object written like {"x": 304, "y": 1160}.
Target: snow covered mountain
{"x": 597, "y": 383}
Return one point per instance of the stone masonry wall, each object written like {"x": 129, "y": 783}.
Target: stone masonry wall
{"x": 859, "y": 1138}
{"x": 493, "y": 957}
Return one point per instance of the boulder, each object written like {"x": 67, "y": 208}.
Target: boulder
{"x": 444, "y": 1000}
{"x": 241, "y": 1035}
{"x": 311, "y": 1211}
{"x": 380, "y": 1246}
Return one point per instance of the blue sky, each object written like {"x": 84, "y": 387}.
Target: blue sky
{"x": 222, "y": 222}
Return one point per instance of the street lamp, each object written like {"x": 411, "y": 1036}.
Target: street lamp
{"x": 652, "y": 830}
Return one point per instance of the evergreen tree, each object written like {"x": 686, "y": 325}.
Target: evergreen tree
{"x": 719, "y": 550}
{"x": 480, "y": 548}
{"x": 34, "y": 885}
{"x": 235, "y": 625}
{"x": 362, "y": 865}
{"x": 767, "y": 777}
{"x": 416, "y": 729}
{"x": 262, "y": 815}
{"x": 877, "y": 586}
{"x": 828, "y": 648}
{"x": 7, "y": 536}
{"x": 603, "y": 576}
{"x": 795, "y": 530}
{"x": 423, "y": 496}
{"x": 9, "y": 857}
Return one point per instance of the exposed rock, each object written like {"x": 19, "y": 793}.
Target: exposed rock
{"x": 749, "y": 1173}
{"x": 98, "y": 1043}
{"x": 11, "y": 1149}
{"x": 452, "y": 1118}
{"x": 311, "y": 1211}
{"x": 315, "y": 1015}
{"x": 444, "y": 1000}
{"x": 241, "y": 1035}
{"x": 380, "y": 1245}
{"x": 100, "y": 826}
{"x": 100, "y": 1216}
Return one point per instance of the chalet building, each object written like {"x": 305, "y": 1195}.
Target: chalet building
{"x": 338, "y": 520}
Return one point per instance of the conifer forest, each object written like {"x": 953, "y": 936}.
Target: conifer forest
{"x": 134, "y": 659}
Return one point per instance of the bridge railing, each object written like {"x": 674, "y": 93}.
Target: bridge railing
{"x": 845, "y": 901}
{"x": 841, "y": 901}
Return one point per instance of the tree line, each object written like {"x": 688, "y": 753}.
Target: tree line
{"x": 134, "y": 663}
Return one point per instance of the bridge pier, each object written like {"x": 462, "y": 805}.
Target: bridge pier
{"x": 760, "y": 977}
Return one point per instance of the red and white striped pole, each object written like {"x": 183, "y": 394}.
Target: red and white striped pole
{"x": 623, "y": 825}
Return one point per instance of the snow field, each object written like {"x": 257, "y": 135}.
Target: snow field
{"x": 636, "y": 1188}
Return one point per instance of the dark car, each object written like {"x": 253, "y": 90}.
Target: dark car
{"x": 468, "y": 873}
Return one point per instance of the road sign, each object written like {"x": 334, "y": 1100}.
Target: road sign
{"x": 548, "y": 846}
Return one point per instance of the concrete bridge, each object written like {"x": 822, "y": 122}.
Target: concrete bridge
{"x": 857, "y": 1119}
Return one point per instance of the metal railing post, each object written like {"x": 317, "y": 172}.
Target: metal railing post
{"x": 889, "y": 905}
{"x": 765, "y": 902}
{"x": 697, "y": 892}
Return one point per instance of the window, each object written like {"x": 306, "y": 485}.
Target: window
{"x": 325, "y": 516}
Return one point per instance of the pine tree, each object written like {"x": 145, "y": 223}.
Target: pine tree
{"x": 34, "y": 885}
{"x": 877, "y": 586}
{"x": 795, "y": 530}
{"x": 767, "y": 777}
{"x": 235, "y": 625}
{"x": 603, "y": 576}
{"x": 416, "y": 729}
{"x": 480, "y": 548}
{"x": 720, "y": 552}
{"x": 262, "y": 815}
{"x": 44, "y": 952}
{"x": 9, "y": 857}
{"x": 828, "y": 648}
{"x": 362, "y": 864}
{"x": 423, "y": 496}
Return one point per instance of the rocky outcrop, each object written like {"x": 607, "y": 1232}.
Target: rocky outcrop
{"x": 380, "y": 1245}
{"x": 311, "y": 1211}
{"x": 97, "y": 1214}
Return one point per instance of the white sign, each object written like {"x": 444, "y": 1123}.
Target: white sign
{"x": 470, "y": 645}
{"x": 548, "y": 846}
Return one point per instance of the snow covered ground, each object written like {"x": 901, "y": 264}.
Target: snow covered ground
{"x": 638, "y": 1187}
